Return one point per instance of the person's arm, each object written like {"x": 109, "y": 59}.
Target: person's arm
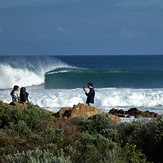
{"x": 84, "y": 90}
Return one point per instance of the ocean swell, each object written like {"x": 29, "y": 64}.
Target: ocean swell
{"x": 73, "y": 77}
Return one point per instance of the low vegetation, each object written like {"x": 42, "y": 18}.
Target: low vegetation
{"x": 33, "y": 135}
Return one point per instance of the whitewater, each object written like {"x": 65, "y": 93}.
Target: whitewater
{"x": 26, "y": 71}
{"x": 30, "y": 72}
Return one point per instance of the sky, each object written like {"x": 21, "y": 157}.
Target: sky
{"x": 81, "y": 27}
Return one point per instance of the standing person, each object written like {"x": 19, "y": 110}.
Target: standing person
{"x": 15, "y": 94}
{"x": 90, "y": 95}
{"x": 23, "y": 95}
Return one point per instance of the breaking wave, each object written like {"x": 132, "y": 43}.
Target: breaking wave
{"x": 73, "y": 77}
{"x": 26, "y": 71}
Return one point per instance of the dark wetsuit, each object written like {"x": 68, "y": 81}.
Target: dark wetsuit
{"x": 90, "y": 96}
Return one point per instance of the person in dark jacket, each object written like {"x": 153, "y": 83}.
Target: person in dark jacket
{"x": 23, "y": 95}
{"x": 90, "y": 95}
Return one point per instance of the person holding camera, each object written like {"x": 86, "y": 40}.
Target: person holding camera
{"x": 90, "y": 95}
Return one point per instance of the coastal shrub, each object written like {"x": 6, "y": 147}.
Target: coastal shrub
{"x": 44, "y": 124}
{"x": 146, "y": 136}
{"x": 97, "y": 124}
{"x": 36, "y": 137}
{"x": 159, "y": 130}
{"x": 132, "y": 133}
{"x": 1, "y": 103}
{"x": 5, "y": 140}
{"x": 68, "y": 125}
{"x": 36, "y": 156}
{"x": 21, "y": 127}
{"x": 129, "y": 154}
{"x": 110, "y": 133}
{"x": 154, "y": 140}
{"x": 56, "y": 134}
{"x": 94, "y": 148}
{"x": 31, "y": 116}
{"x": 5, "y": 116}
{"x": 51, "y": 147}
{"x": 34, "y": 115}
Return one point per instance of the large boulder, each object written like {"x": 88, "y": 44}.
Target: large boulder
{"x": 84, "y": 110}
{"x": 78, "y": 110}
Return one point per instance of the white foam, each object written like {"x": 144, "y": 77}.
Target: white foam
{"x": 106, "y": 99}
{"x": 24, "y": 73}
{"x": 12, "y": 76}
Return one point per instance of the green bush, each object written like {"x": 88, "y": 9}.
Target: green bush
{"x": 154, "y": 140}
{"x": 1, "y": 104}
{"x": 36, "y": 156}
{"x": 21, "y": 127}
{"x": 97, "y": 124}
{"x": 5, "y": 117}
{"x": 93, "y": 148}
{"x": 132, "y": 133}
{"x": 30, "y": 116}
{"x": 147, "y": 136}
{"x": 129, "y": 154}
{"x": 56, "y": 134}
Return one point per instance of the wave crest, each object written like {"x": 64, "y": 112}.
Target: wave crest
{"x": 24, "y": 71}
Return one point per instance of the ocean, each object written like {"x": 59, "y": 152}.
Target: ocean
{"x": 121, "y": 82}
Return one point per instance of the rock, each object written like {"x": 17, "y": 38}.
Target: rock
{"x": 16, "y": 104}
{"x": 84, "y": 110}
{"x": 114, "y": 111}
{"x": 79, "y": 110}
{"x": 149, "y": 114}
{"x": 119, "y": 113}
{"x": 114, "y": 117}
{"x": 133, "y": 112}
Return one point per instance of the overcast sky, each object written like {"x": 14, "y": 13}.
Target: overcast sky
{"x": 61, "y": 27}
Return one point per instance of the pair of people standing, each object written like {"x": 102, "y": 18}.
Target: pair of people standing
{"x": 19, "y": 96}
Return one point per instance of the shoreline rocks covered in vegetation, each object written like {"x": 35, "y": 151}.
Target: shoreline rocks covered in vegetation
{"x": 31, "y": 134}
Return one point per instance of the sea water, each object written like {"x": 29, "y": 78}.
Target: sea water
{"x": 53, "y": 82}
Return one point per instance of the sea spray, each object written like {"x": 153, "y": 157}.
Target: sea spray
{"x": 21, "y": 77}
{"x": 26, "y": 71}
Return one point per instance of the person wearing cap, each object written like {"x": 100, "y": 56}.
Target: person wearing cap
{"x": 90, "y": 95}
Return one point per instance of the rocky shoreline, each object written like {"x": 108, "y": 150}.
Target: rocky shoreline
{"x": 87, "y": 111}
{"x": 136, "y": 113}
